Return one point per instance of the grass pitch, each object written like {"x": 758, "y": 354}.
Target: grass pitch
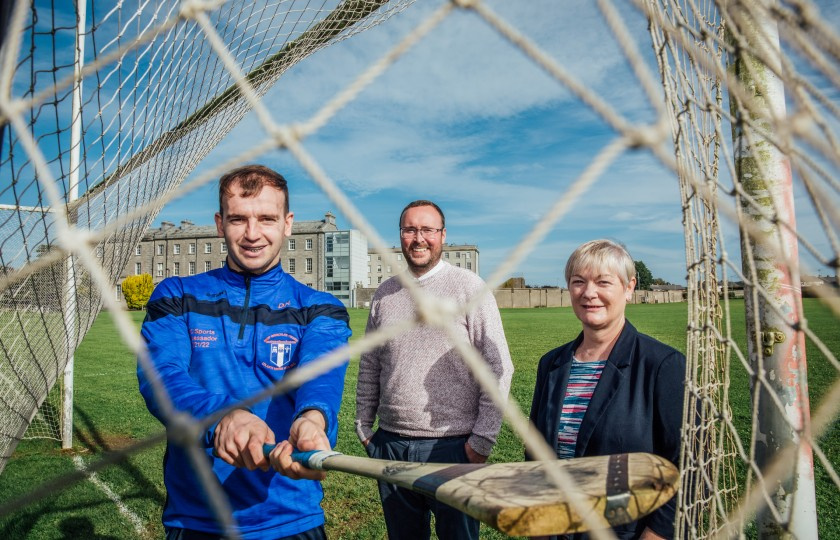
{"x": 110, "y": 414}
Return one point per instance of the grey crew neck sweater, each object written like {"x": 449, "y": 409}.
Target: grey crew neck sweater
{"x": 417, "y": 383}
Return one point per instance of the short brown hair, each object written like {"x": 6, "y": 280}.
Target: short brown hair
{"x": 599, "y": 255}
{"x": 252, "y": 178}
{"x": 423, "y": 202}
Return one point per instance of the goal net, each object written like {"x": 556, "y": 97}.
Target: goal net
{"x": 152, "y": 100}
{"x": 107, "y": 112}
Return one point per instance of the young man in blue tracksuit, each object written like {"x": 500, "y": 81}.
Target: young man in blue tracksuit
{"x": 219, "y": 337}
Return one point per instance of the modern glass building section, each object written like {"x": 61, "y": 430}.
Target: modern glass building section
{"x": 345, "y": 266}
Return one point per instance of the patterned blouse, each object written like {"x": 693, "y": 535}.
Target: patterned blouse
{"x": 582, "y": 381}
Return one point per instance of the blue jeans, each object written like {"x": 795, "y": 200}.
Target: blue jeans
{"x": 407, "y": 513}
{"x": 174, "y": 533}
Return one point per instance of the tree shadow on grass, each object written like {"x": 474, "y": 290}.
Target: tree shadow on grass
{"x": 36, "y": 522}
{"x": 90, "y": 437}
{"x": 76, "y": 528}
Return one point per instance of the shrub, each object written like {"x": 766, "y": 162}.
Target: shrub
{"x": 137, "y": 290}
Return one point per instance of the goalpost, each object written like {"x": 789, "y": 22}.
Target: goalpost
{"x": 746, "y": 104}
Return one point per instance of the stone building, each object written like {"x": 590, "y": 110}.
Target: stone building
{"x": 317, "y": 254}
{"x": 380, "y": 268}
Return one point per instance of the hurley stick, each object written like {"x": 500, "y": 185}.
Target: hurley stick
{"x": 519, "y": 498}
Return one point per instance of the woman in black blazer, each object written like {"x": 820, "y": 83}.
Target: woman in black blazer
{"x": 622, "y": 390}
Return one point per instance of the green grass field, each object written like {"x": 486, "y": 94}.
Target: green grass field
{"x": 110, "y": 415}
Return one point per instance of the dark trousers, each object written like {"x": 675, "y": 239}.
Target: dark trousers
{"x": 407, "y": 513}
{"x": 174, "y": 533}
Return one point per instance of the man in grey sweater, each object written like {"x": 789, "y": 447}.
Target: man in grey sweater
{"x": 430, "y": 407}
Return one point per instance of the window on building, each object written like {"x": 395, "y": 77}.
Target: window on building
{"x": 206, "y": 266}
{"x": 399, "y": 256}
{"x": 467, "y": 255}
{"x": 192, "y": 268}
{"x": 379, "y": 279}
{"x": 159, "y": 269}
{"x": 469, "y": 266}
{"x": 291, "y": 244}
{"x": 221, "y": 264}
{"x": 222, "y": 247}
{"x": 291, "y": 264}
{"x": 446, "y": 255}
{"x": 309, "y": 285}
{"x": 191, "y": 248}
{"x": 138, "y": 269}
{"x": 309, "y": 265}
{"x": 329, "y": 270}
{"x": 176, "y": 249}
{"x": 309, "y": 244}
{"x": 160, "y": 249}
{"x": 138, "y": 250}
{"x": 118, "y": 293}
{"x": 458, "y": 265}
{"x": 329, "y": 242}
{"x": 379, "y": 268}
{"x": 457, "y": 254}
{"x": 388, "y": 269}
{"x": 176, "y": 269}
{"x": 208, "y": 247}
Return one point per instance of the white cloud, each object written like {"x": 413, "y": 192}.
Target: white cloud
{"x": 466, "y": 119}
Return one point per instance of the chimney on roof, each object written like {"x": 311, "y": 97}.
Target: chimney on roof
{"x": 329, "y": 218}
{"x": 166, "y": 225}
{"x": 186, "y": 223}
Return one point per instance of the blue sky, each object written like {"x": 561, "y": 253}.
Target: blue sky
{"x": 468, "y": 121}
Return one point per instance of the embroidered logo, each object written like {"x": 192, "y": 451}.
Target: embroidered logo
{"x": 280, "y": 348}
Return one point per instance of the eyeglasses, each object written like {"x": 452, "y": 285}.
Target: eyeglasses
{"x": 411, "y": 232}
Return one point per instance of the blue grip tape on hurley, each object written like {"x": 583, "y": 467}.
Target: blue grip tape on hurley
{"x": 300, "y": 457}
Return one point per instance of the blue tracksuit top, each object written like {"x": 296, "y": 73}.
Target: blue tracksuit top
{"x": 219, "y": 337}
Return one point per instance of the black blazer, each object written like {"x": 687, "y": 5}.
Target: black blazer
{"x": 636, "y": 407}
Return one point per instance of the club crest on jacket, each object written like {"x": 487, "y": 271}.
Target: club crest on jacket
{"x": 280, "y": 347}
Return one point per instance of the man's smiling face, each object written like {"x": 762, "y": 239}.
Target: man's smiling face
{"x": 254, "y": 228}
{"x": 422, "y": 251}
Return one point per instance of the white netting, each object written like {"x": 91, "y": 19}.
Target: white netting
{"x": 154, "y": 101}
{"x": 162, "y": 82}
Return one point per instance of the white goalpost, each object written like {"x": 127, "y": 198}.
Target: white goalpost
{"x": 103, "y": 118}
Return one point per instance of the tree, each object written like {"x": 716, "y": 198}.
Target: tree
{"x": 137, "y": 290}
{"x": 643, "y": 276}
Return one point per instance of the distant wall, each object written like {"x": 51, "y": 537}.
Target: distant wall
{"x": 363, "y": 296}
{"x": 530, "y": 298}
{"x": 657, "y": 297}
{"x": 534, "y": 298}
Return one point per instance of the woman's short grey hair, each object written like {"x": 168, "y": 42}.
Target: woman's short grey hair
{"x": 602, "y": 255}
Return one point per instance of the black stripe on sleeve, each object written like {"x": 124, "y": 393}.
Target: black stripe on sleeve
{"x": 260, "y": 313}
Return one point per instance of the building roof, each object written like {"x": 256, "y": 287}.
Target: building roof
{"x": 188, "y": 229}
{"x": 668, "y": 287}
